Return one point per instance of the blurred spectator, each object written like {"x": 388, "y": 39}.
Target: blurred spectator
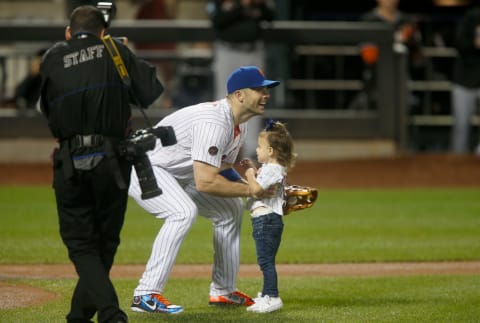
{"x": 155, "y": 9}
{"x": 387, "y": 11}
{"x": 466, "y": 80}
{"x": 238, "y": 36}
{"x": 159, "y": 10}
{"x": 406, "y": 34}
{"x": 193, "y": 75}
{"x": 237, "y": 25}
{"x": 27, "y": 92}
{"x": 3, "y": 78}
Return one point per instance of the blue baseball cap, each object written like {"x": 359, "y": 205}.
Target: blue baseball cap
{"x": 248, "y": 77}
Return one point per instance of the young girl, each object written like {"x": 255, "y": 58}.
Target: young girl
{"x": 275, "y": 153}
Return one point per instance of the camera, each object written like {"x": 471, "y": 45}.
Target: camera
{"x": 108, "y": 10}
{"x": 135, "y": 149}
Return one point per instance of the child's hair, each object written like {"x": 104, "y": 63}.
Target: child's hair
{"x": 281, "y": 141}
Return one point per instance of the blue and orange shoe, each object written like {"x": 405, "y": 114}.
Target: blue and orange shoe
{"x": 234, "y": 298}
{"x": 154, "y": 303}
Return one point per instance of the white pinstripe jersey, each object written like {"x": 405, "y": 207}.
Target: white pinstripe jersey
{"x": 205, "y": 132}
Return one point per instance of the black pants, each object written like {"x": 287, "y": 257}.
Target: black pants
{"x": 91, "y": 210}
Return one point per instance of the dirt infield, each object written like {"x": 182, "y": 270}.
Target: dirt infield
{"x": 251, "y": 270}
{"x": 16, "y": 295}
{"x": 405, "y": 171}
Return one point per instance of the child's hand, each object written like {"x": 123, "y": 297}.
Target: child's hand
{"x": 246, "y": 163}
{"x": 250, "y": 172}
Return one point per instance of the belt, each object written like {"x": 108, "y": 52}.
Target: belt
{"x": 80, "y": 141}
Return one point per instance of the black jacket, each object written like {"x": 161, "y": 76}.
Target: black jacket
{"x": 467, "y": 64}
{"x": 239, "y": 24}
{"x": 83, "y": 94}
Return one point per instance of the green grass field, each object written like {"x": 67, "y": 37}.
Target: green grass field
{"x": 344, "y": 226}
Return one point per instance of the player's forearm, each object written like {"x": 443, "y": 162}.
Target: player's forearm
{"x": 219, "y": 186}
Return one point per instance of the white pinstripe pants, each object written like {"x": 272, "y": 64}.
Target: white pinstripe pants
{"x": 179, "y": 206}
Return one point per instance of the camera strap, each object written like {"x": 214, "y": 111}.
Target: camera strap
{"x": 117, "y": 59}
{"x": 112, "y": 49}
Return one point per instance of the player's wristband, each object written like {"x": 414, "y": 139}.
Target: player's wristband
{"x": 231, "y": 174}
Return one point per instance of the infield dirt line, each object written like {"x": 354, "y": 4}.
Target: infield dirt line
{"x": 251, "y": 270}
{"x": 15, "y": 295}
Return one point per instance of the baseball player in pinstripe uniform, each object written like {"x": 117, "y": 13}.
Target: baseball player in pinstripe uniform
{"x": 197, "y": 177}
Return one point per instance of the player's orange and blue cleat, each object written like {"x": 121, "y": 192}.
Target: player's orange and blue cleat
{"x": 154, "y": 303}
{"x": 234, "y": 298}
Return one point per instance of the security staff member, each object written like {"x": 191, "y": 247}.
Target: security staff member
{"x": 87, "y": 107}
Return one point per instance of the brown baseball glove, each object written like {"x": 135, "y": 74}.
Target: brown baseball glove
{"x": 298, "y": 198}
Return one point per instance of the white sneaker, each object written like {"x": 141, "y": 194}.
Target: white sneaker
{"x": 265, "y": 304}
{"x": 257, "y": 299}
{"x": 259, "y": 296}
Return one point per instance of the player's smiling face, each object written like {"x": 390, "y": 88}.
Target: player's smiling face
{"x": 256, "y": 99}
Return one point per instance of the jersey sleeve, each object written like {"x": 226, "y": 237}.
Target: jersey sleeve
{"x": 208, "y": 143}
